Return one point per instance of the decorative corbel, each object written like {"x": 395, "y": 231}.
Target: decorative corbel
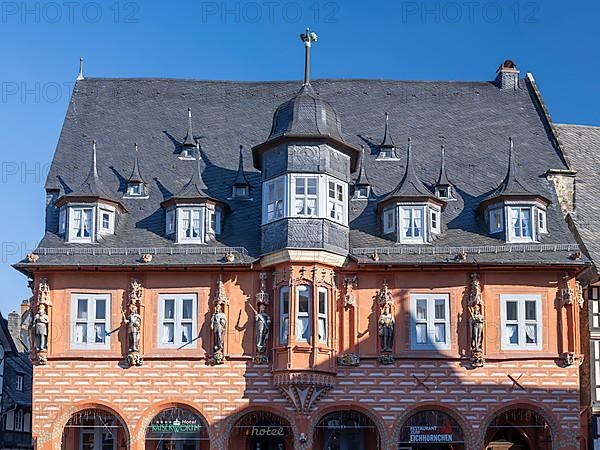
{"x": 476, "y": 321}
{"x": 133, "y": 321}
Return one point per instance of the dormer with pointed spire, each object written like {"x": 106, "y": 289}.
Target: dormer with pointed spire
{"x": 88, "y": 212}
{"x": 192, "y": 215}
{"x": 443, "y": 188}
{"x": 411, "y": 212}
{"x": 514, "y": 211}
{"x": 362, "y": 186}
{"x": 306, "y": 165}
{"x": 241, "y": 186}
{"x": 387, "y": 148}
{"x": 136, "y": 186}
{"x": 188, "y": 146}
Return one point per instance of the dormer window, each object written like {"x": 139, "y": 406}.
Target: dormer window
{"x": 81, "y": 226}
{"x": 240, "y": 192}
{"x": 443, "y": 192}
{"x": 389, "y": 220}
{"x": 193, "y": 224}
{"x": 361, "y": 192}
{"x": 412, "y": 225}
{"x": 520, "y": 224}
{"x": 436, "y": 226}
{"x": 189, "y": 225}
{"x": 541, "y": 220}
{"x": 387, "y": 153}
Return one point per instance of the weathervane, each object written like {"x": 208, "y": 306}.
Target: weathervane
{"x": 308, "y": 38}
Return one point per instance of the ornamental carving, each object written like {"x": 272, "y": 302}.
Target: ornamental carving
{"x": 350, "y": 283}
{"x": 572, "y": 359}
{"x": 476, "y": 321}
{"x": 44, "y": 292}
{"x": 303, "y": 390}
{"x": 133, "y": 321}
{"x": 579, "y": 294}
{"x": 348, "y": 359}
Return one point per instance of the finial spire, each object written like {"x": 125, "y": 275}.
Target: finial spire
{"x": 136, "y": 176}
{"x": 80, "y": 76}
{"x": 308, "y": 38}
{"x": 94, "y": 161}
{"x": 189, "y": 140}
{"x": 362, "y": 179}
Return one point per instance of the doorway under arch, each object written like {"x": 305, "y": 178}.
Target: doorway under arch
{"x": 346, "y": 430}
{"x": 177, "y": 428}
{"x": 95, "y": 429}
{"x": 518, "y": 429}
{"x": 261, "y": 430}
{"x": 431, "y": 429}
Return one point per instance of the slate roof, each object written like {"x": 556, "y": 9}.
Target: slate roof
{"x": 582, "y": 144}
{"x": 475, "y": 119}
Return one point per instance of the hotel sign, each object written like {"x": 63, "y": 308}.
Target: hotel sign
{"x": 266, "y": 431}
{"x": 176, "y": 426}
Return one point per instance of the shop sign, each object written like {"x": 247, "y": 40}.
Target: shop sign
{"x": 266, "y": 431}
{"x": 431, "y": 433}
{"x": 176, "y": 426}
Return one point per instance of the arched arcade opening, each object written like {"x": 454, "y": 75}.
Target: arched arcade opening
{"x": 346, "y": 430}
{"x": 261, "y": 430}
{"x": 94, "y": 429}
{"x": 177, "y": 428}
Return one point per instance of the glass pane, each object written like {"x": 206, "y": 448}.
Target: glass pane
{"x": 340, "y": 192}
{"x": 187, "y": 309}
{"x": 421, "y": 329}
{"x": 82, "y": 309}
{"x": 285, "y": 325}
{"x": 186, "y": 332}
{"x": 302, "y": 328}
{"x": 100, "y": 333}
{"x": 168, "y": 333}
{"x": 303, "y": 299}
{"x": 322, "y": 302}
{"x": 321, "y": 330}
{"x": 440, "y": 332}
{"x": 531, "y": 334}
{"x": 530, "y": 310}
{"x": 526, "y": 222}
{"x": 440, "y": 309}
{"x": 169, "y": 309}
{"x": 421, "y": 309}
{"x": 81, "y": 333}
{"x": 300, "y": 185}
{"x": 311, "y": 207}
{"x": 511, "y": 310}
{"x": 512, "y": 333}
{"x": 300, "y": 206}
{"x": 312, "y": 186}
{"x": 100, "y": 309}
{"x": 331, "y": 190}
{"x": 285, "y": 302}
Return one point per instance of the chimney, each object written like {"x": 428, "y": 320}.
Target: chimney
{"x": 507, "y": 76}
{"x": 14, "y": 325}
{"x": 24, "y": 306}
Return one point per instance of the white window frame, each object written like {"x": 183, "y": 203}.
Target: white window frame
{"x": 437, "y": 214}
{"x": 90, "y": 321}
{"x": 19, "y": 382}
{"x": 62, "y": 221}
{"x": 275, "y": 207}
{"x": 409, "y": 210}
{"x": 511, "y": 210}
{"x": 521, "y": 321}
{"x": 358, "y": 192}
{"x": 19, "y": 416}
{"x": 305, "y": 196}
{"x": 303, "y": 315}
{"x": 492, "y": 223}
{"x": 178, "y": 321}
{"x": 430, "y": 322}
{"x": 389, "y": 220}
{"x": 284, "y": 324}
{"x": 79, "y": 210}
{"x": 110, "y": 229}
{"x": 214, "y": 221}
{"x": 335, "y": 205}
{"x": 439, "y": 189}
{"x": 170, "y": 221}
{"x": 182, "y": 229}
{"x": 541, "y": 220}
{"x": 135, "y": 190}
{"x": 322, "y": 315}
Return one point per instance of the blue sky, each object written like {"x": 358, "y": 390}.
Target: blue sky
{"x": 41, "y": 42}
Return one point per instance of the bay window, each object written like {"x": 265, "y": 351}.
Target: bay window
{"x": 430, "y": 321}
{"x": 91, "y": 321}
{"x": 177, "y": 321}
{"x": 284, "y": 314}
{"x": 520, "y": 317}
{"x": 303, "y": 300}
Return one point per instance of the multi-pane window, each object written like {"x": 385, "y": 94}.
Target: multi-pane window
{"x": 430, "y": 318}
{"x": 412, "y": 229}
{"x": 303, "y": 313}
{"x": 435, "y": 221}
{"x": 284, "y": 314}
{"x": 322, "y": 314}
{"x": 135, "y": 189}
{"x": 594, "y": 302}
{"x": 275, "y": 199}
{"x": 240, "y": 191}
{"x": 521, "y": 321}
{"x": 170, "y": 221}
{"x": 91, "y": 320}
{"x": 520, "y": 223}
{"x": 305, "y": 196}
{"x": 19, "y": 420}
{"x": 541, "y": 220}
{"x": 190, "y": 224}
{"x": 336, "y": 201}
{"x": 177, "y": 320}
{"x": 107, "y": 221}
{"x": 19, "y": 383}
{"x": 389, "y": 220}
{"x": 362, "y": 192}
{"x": 81, "y": 226}
{"x": 215, "y": 221}
{"x": 62, "y": 220}
{"x": 496, "y": 220}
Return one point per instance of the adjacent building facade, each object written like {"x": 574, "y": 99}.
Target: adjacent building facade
{"x": 337, "y": 264}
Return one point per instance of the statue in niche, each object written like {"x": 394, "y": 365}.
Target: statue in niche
{"x": 263, "y": 327}
{"x": 476, "y": 321}
{"x": 476, "y": 328}
{"x": 386, "y": 328}
{"x": 218, "y": 325}
{"x": 134, "y": 328}
{"x": 40, "y": 325}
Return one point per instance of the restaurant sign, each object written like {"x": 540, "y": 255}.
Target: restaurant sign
{"x": 431, "y": 427}
{"x": 431, "y": 434}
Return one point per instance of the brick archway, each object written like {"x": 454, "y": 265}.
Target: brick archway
{"x": 223, "y": 439}
{"x": 63, "y": 419}
{"x": 344, "y": 406}
{"x": 547, "y": 416}
{"x": 138, "y": 439}
{"x": 469, "y": 435}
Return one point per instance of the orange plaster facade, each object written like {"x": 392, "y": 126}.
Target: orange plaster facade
{"x": 386, "y": 394}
